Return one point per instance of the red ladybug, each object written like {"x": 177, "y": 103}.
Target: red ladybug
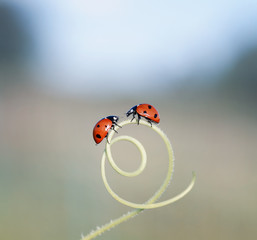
{"x": 103, "y": 126}
{"x": 144, "y": 110}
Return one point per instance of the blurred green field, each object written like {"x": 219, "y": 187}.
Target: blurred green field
{"x": 50, "y": 182}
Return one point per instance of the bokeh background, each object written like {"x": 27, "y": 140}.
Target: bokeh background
{"x": 66, "y": 64}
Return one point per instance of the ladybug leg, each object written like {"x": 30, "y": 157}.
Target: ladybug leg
{"x": 107, "y": 138}
{"x": 138, "y": 119}
{"x": 117, "y": 125}
{"x": 150, "y": 122}
{"x": 133, "y": 117}
{"x": 112, "y": 127}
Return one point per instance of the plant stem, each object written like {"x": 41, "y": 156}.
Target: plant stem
{"x": 151, "y": 202}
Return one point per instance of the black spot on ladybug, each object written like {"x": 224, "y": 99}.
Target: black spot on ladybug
{"x": 98, "y": 136}
{"x": 149, "y": 106}
{"x": 98, "y": 125}
{"x": 106, "y": 126}
{"x": 155, "y": 115}
{"x": 145, "y": 111}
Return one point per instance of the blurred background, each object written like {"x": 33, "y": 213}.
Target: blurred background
{"x": 66, "y": 64}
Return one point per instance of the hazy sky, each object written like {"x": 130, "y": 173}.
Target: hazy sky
{"x": 82, "y": 44}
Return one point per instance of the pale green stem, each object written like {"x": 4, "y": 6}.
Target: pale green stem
{"x": 151, "y": 202}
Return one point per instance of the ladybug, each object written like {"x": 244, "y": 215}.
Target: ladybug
{"x": 103, "y": 126}
{"x": 144, "y": 110}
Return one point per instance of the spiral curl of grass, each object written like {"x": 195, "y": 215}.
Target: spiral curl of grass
{"x": 151, "y": 203}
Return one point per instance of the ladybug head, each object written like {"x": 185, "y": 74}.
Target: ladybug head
{"x": 131, "y": 110}
{"x": 114, "y": 119}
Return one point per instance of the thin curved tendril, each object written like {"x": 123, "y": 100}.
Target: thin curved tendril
{"x": 151, "y": 202}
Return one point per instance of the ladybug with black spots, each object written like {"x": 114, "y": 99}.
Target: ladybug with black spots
{"x": 146, "y": 111}
{"x": 103, "y": 126}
